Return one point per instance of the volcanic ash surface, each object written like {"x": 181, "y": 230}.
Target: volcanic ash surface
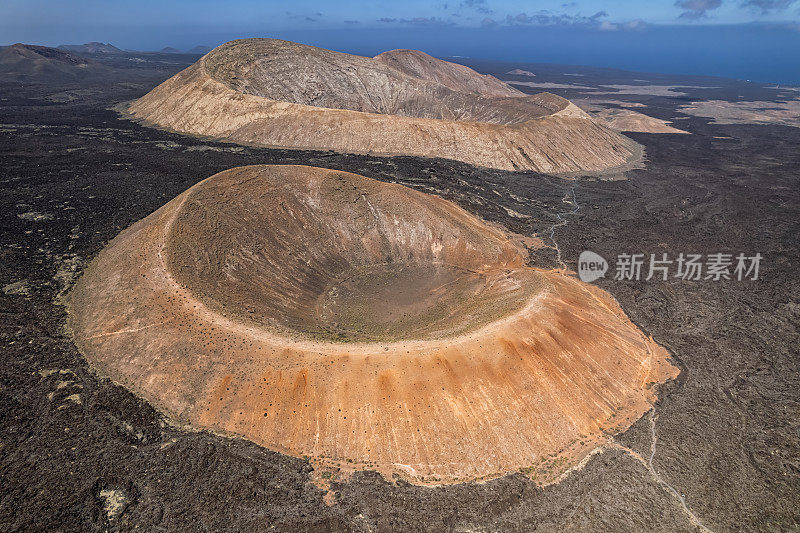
{"x": 359, "y": 323}
{"x": 277, "y": 93}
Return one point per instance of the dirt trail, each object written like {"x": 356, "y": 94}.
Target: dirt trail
{"x": 563, "y": 222}
{"x": 648, "y": 464}
{"x": 652, "y": 416}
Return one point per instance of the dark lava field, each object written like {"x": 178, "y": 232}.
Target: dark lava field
{"x": 720, "y": 451}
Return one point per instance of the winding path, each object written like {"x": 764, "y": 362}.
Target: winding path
{"x": 563, "y": 222}
{"x": 652, "y": 416}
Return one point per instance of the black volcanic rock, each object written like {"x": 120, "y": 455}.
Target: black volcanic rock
{"x": 726, "y": 434}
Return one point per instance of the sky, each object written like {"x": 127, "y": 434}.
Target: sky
{"x": 746, "y": 39}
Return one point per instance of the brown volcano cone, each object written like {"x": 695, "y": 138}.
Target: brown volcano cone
{"x": 278, "y": 93}
{"x": 27, "y": 62}
{"x": 325, "y": 314}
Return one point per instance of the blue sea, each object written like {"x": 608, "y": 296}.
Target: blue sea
{"x": 746, "y": 52}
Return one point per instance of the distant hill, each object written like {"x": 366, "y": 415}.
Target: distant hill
{"x": 27, "y": 62}
{"x": 520, "y": 72}
{"x": 170, "y": 50}
{"x": 404, "y": 102}
{"x": 91, "y": 48}
{"x": 200, "y": 49}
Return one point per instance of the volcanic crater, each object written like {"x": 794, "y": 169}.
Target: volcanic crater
{"x": 278, "y": 93}
{"x": 359, "y": 323}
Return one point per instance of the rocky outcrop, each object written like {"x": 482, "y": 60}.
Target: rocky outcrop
{"x": 520, "y": 72}
{"x": 627, "y": 120}
{"x": 277, "y": 93}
